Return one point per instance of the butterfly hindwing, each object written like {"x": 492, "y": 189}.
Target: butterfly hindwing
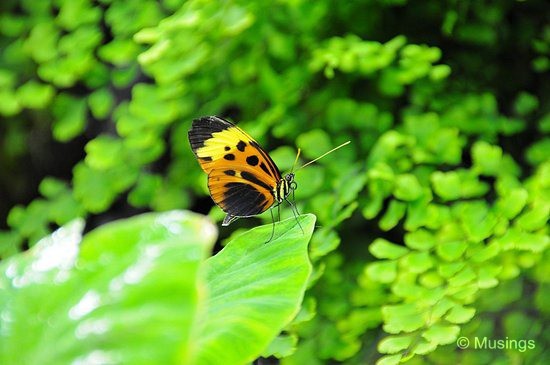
{"x": 241, "y": 175}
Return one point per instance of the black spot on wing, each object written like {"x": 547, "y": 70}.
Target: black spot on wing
{"x": 207, "y": 158}
{"x": 229, "y": 172}
{"x": 241, "y": 146}
{"x": 242, "y": 199}
{"x": 202, "y": 129}
{"x": 227, "y": 148}
{"x": 252, "y": 160}
{"x": 229, "y": 157}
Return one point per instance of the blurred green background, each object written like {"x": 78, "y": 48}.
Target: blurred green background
{"x": 432, "y": 223}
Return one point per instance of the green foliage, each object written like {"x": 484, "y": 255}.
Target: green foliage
{"x": 150, "y": 294}
{"x": 433, "y": 222}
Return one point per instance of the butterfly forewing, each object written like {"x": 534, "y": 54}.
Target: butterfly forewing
{"x": 242, "y": 177}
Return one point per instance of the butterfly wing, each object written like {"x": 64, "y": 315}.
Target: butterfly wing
{"x": 241, "y": 175}
{"x": 239, "y": 193}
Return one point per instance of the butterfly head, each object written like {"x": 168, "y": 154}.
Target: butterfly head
{"x": 284, "y": 187}
{"x": 291, "y": 182}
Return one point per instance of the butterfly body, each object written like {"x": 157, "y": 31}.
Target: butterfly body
{"x": 243, "y": 180}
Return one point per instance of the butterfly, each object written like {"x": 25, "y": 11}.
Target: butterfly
{"x": 243, "y": 180}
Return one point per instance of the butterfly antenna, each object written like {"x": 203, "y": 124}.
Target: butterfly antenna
{"x": 323, "y": 155}
{"x": 296, "y": 160}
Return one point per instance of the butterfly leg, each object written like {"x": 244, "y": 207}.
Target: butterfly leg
{"x": 229, "y": 219}
{"x": 295, "y": 212}
{"x": 294, "y": 199}
{"x": 272, "y": 226}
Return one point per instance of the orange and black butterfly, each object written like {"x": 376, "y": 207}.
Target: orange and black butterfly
{"x": 243, "y": 180}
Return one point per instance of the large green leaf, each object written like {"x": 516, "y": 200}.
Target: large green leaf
{"x": 254, "y": 289}
{"x": 138, "y": 291}
{"x": 127, "y": 294}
